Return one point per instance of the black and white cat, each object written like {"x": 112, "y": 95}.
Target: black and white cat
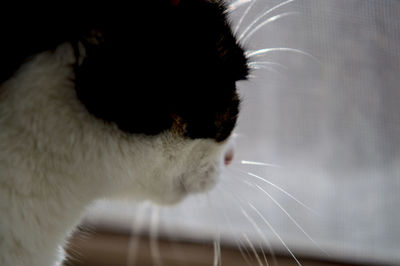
{"x": 109, "y": 101}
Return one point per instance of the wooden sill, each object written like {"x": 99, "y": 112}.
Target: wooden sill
{"x": 101, "y": 247}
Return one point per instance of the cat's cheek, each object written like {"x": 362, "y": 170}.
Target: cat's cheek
{"x": 202, "y": 180}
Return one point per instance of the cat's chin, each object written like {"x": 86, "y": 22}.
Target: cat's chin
{"x": 164, "y": 199}
{"x": 202, "y": 181}
{"x": 190, "y": 184}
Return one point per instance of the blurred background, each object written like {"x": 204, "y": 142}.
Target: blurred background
{"x": 317, "y": 166}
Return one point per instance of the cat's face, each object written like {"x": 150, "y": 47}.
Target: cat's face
{"x": 175, "y": 80}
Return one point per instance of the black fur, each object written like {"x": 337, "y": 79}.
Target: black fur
{"x": 146, "y": 65}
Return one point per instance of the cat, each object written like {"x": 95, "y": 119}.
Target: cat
{"x": 101, "y": 102}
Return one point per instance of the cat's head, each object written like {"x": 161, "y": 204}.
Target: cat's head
{"x": 162, "y": 68}
{"x": 182, "y": 76}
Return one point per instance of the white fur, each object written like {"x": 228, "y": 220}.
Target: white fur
{"x": 56, "y": 159}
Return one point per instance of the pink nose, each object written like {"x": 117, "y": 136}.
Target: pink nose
{"x": 229, "y": 156}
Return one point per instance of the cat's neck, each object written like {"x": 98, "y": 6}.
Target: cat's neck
{"x": 40, "y": 200}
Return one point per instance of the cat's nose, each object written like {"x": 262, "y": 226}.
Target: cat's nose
{"x": 229, "y": 156}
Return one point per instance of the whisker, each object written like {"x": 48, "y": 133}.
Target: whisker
{"x": 280, "y": 206}
{"x": 154, "y": 247}
{"x": 264, "y": 256}
{"x": 243, "y": 16}
{"x": 235, "y": 135}
{"x": 292, "y": 219}
{"x": 244, "y": 255}
{"x": 275, "y": 233}
{"x": 238, "y": 242}
{"x": 261, "y": 16}
{"x": 262, "y": 52}
{"x": 257, "y": 63}
{"x": 217, "y": 239}
{"x": 260, "y": 163}
{"x": 254, "y": 225}
{"x": 281, "y": 190}
{"x": 134, "y": 240}
{"x": 253, "y": 249}
{"x": 268, "y": 68}
{"x": 237, "y": 4}
{"x": 251, "y": 76}
{"x": 217, "y": 252}
{"x": 266, "y": 22}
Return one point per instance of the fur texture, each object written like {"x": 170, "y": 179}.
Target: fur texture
{"x": 57, "y": 155}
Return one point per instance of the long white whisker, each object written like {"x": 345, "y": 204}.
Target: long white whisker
{"x": 268, "y": 68}
{"x": 217, "y": 239}
{"x": 262, "y": 52}
{"x": 269, "y": 63}
{"x": 253, "y": 249}
{"x": 269, "y": 20}
{"x": 261, "y": 16}
{"x": 243, "y": 16}
{"x": 275, "y": 233}
{"x": 257, "y": 228}
{"x": 264, "y": 256}
{"x": 260, "y": 163}
{"x": 253, "y": 223}
{"x": 154, "y": 248}
{"x": 280, "y": 206}
{"x": 134, "y": 240}
{"x": 244, "y": 255}
{"x": 217, "y": 252}
{"x": 291, "y": 218}
{"x": 281, "y": 190}
{"x": 238, "y": 242}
